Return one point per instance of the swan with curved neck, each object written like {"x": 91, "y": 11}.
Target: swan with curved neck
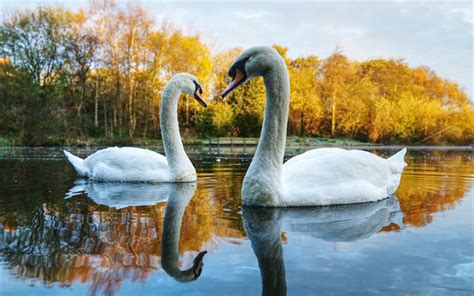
{"x": 322, "y": 176}
{"x": 129, "y": 164}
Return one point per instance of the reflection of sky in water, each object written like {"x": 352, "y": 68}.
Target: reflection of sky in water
{"x": 426, "y": 249}
{"x": 413, "y": 261}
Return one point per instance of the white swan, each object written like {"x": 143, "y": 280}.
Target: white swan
{"x": 323, "y": 176}
{"x": 129, "y": 164}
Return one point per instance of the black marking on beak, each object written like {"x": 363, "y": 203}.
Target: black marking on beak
{"x": 198, "y": 94}
{"x": 238, "y": 75}
{"x": 198, "y": 264}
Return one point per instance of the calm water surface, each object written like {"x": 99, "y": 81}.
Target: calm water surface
{"x": 61, "y": 236}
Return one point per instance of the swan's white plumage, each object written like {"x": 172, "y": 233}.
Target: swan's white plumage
{"x": 336, "y": 176}
{"x": 78, "y": 164}
{"x": 325, "y": 176}
{"x": 129, "y": 164}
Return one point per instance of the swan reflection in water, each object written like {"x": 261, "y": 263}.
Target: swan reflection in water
{"x": 104, "y": 246}
{"x": 344, "y": 223}
{"x": 170, "y": 239}
{"x": 122, "y": 195}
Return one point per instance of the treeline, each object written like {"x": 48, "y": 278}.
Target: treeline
{"x": 68, "y": 76}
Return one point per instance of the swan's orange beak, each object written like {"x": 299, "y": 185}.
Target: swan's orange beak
{"x": 237, "y": 80}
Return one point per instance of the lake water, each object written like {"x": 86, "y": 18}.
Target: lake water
{"x": 63, "y": 236}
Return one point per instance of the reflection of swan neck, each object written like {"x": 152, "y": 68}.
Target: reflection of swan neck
{"x": 263, "y": 227}
{"x": 268, "y": 159}
{"x": 170, "y": 240}
{"x": 174, "y": 150}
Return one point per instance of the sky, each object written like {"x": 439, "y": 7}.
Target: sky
{"x": 435, "y": 34}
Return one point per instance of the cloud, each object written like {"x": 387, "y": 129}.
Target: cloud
{"x": 248, "y": 15}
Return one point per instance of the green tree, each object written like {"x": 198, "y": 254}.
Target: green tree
{"x": 36, "y": 45}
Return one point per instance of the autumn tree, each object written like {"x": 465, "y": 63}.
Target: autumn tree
{"x": 306, "y": 109}
{"x": 337, "y": 75}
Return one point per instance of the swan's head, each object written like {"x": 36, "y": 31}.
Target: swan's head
{"x": 251, "y": 63}
{"x": 198, "y": 264}
{"x": 188, "y": 275}
{"x": 189, "y": 85}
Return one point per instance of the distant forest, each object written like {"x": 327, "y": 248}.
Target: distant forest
{"x": 70, "y": 77}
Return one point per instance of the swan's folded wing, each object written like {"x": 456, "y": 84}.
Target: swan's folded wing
{"x": 128, "y": 164}
{"x": 316, "y": 153}
{"x": 336, "y": 176}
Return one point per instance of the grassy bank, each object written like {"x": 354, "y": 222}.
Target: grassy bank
{"x": 223, "y": 141}
{"x": 291, "y": 141}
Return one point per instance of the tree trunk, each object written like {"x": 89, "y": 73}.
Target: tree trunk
{"x": 131, "y": 88}
{"x": 96, "y": 107}
{"x": 79, "y": 108}
{"x": 105, "y": 118}
{"x": 302, "y": 124}
{"x": 130, "y": 110}
{"x": 333, "y": 117}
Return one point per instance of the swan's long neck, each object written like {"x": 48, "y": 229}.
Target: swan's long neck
{"x": 178, "y": 162}
{"x": 266, "y": 166}
{"x": 177, "y": 203}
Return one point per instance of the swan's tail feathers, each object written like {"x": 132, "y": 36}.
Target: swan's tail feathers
{"x": 76, "y": 190}
{"x": 77, "y": 163}
{"x": 397, "y": 161}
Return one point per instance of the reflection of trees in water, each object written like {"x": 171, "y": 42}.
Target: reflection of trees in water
{"x": 102, "y": 246}
{"x": 433, "y": 182}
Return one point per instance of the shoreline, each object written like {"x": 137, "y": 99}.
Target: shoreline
{"x": 212, "y": 146}
{"x": 291, "y": 141}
